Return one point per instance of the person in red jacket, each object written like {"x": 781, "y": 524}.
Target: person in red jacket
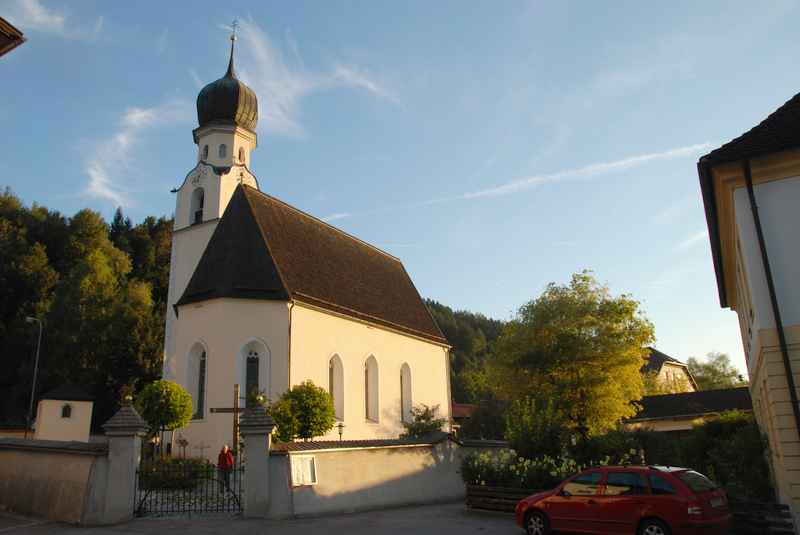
{"x": 224, "y": 468}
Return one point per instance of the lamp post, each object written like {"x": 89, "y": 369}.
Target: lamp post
{"x": 340, "y": 426}
{"x": 30, "y": 319}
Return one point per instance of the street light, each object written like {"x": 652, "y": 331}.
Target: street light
{"x": 30, "y": 319}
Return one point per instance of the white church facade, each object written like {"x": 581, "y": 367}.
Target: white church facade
{"x": 266, "y": 296}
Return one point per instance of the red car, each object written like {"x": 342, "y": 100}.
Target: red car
{"x": 641, "y": 500}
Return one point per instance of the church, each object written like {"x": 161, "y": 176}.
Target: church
{"x": 265, "y": 296}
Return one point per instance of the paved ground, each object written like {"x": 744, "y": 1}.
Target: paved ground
{"x": 450, "y": 519}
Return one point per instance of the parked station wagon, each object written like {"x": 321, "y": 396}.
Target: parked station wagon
{"x": 641, "y": 500}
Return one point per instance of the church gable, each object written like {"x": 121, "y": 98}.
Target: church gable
{"x": 299, "y": 255}
{"x": 236, "y": 263}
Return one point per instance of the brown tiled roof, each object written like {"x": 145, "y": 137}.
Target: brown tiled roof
{"x": 694, "y": 403}
{"x": 778, "y": 132}
{"x": 434, "y": 438}
{"x": 265, "y": 249}
{"x": 656, "y": 360}
{"x": 10, "y": 37}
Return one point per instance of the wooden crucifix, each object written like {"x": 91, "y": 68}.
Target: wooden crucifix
{"x": 236, "y": 411}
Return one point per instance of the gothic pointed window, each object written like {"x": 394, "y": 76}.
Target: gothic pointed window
{"x": 205, "y": 152}
{"x": 251, "y": 374}
{"x": 196, "y": 379}
{"x": 241, "y": 154}
{"x": 66, "y": 411}
{"x": 371, "y": 389}
{"x": 200, "y": 403}
{"x": 223, "y": 151}
{"x": 405, "y": 393}
{"x": 336, "y": 385}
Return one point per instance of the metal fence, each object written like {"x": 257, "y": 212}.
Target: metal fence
{"x": 187, "y": 486}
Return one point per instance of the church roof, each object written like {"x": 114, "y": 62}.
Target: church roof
{"x": 68, "y": 392}
{"x": 263, "y": 248}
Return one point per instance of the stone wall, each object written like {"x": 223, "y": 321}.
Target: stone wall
{"x": 53, "y": 479}
{"x": 364, "y": 478}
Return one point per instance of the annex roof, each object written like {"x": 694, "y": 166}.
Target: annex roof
{"x": 778, "y": 132}
{"x": 264, "y": 248}
{"x": 694, "y": 403}
{"x": 316, "y": 445}
{"x": 68, "y": 392}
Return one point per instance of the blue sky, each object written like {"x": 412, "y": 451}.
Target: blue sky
{"x": 493, "y": 146}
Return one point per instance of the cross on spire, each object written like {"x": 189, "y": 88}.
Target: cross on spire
{"x": 231, "y": 72}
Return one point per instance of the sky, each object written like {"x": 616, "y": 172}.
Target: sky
{"x": 494, "y": 147}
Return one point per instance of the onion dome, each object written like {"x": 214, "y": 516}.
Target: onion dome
{"x": 228, "y": 101}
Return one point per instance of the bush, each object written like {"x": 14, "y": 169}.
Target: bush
{"x": 505, "y": 468}
{"x": 305, "y": 411}
{"x": 423, "y": 421}
{"x": 171, "y": 473}
{"x": 535, "y": 428}
{"x": 487, "y": 421}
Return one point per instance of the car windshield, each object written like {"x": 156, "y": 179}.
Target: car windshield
{"x": 695, "y": 481}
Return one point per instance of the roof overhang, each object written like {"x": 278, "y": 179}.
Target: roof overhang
{"x": 10, "y": 37}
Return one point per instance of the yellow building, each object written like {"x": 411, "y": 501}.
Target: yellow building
{"x": 751, "y": 192}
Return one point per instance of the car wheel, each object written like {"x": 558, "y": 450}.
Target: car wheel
{"x": 536, "y": 523}
{"x": 653, "y": 526}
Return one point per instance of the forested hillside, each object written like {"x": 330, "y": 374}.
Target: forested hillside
{"x": 100, "y": 291}
{"x": 472, "y": 337}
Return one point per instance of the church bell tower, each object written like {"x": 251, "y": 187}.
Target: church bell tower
{"x": 227, "y": 115}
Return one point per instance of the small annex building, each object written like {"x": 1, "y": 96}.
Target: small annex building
{"x": 64, "y": 413}
{"x": 265, "y": 296}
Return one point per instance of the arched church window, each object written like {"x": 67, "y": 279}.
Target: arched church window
{"x": 371, "y": 404}
{"x": 66, "y": 411}
{"x": 200, "y": 403}
{"x": 406, "y": 401}
{"x": 223, "y": 150}
{"x": 196, "y": 379}
{"x": 251, "y": 375}
{"x": 196, "y": 209}
{"x": 205, "y": 152}
{"x": 241, "y": 154}
{"x": 336, "y": 385}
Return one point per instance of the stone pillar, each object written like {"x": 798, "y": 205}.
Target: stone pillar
{"x": 255, "y": 428}
{"x": 124, "y": 431}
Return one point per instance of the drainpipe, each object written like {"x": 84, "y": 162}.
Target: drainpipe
{"x": 787, "y": 365}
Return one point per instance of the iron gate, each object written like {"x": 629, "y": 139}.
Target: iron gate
{"x": 187, "y": 486}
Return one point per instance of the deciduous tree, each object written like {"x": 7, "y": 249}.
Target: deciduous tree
{"x": 304, "y": 411}
{"x": 715, "y": 373}
{"x": 579, "y": 346}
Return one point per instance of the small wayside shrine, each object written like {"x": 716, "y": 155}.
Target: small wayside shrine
{"x": 265, "y": 296}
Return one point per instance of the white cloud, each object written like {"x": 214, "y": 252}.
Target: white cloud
{"x": 33, "y": 16}
{"x": 588, "y": 171}
{"x": 522, "y": 184}
{"x": 281, "y": 83}
{"x": 690, "y": 241}
{"x": 196, "y": 79}
{"x": 108, "y": 163}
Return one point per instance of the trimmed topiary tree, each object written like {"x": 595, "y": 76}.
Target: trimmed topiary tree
{"x": 164, "y": 405}
{"x": 305, "y": 411}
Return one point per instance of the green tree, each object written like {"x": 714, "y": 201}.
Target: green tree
{"x": 579, "y": 346}
{"x": 423, "y": 421}
{"x": 535, "y": 427}
{"x": 715, "y": 373}
{"x": 304, "y": 411}
{"x": 164, "y": 405}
